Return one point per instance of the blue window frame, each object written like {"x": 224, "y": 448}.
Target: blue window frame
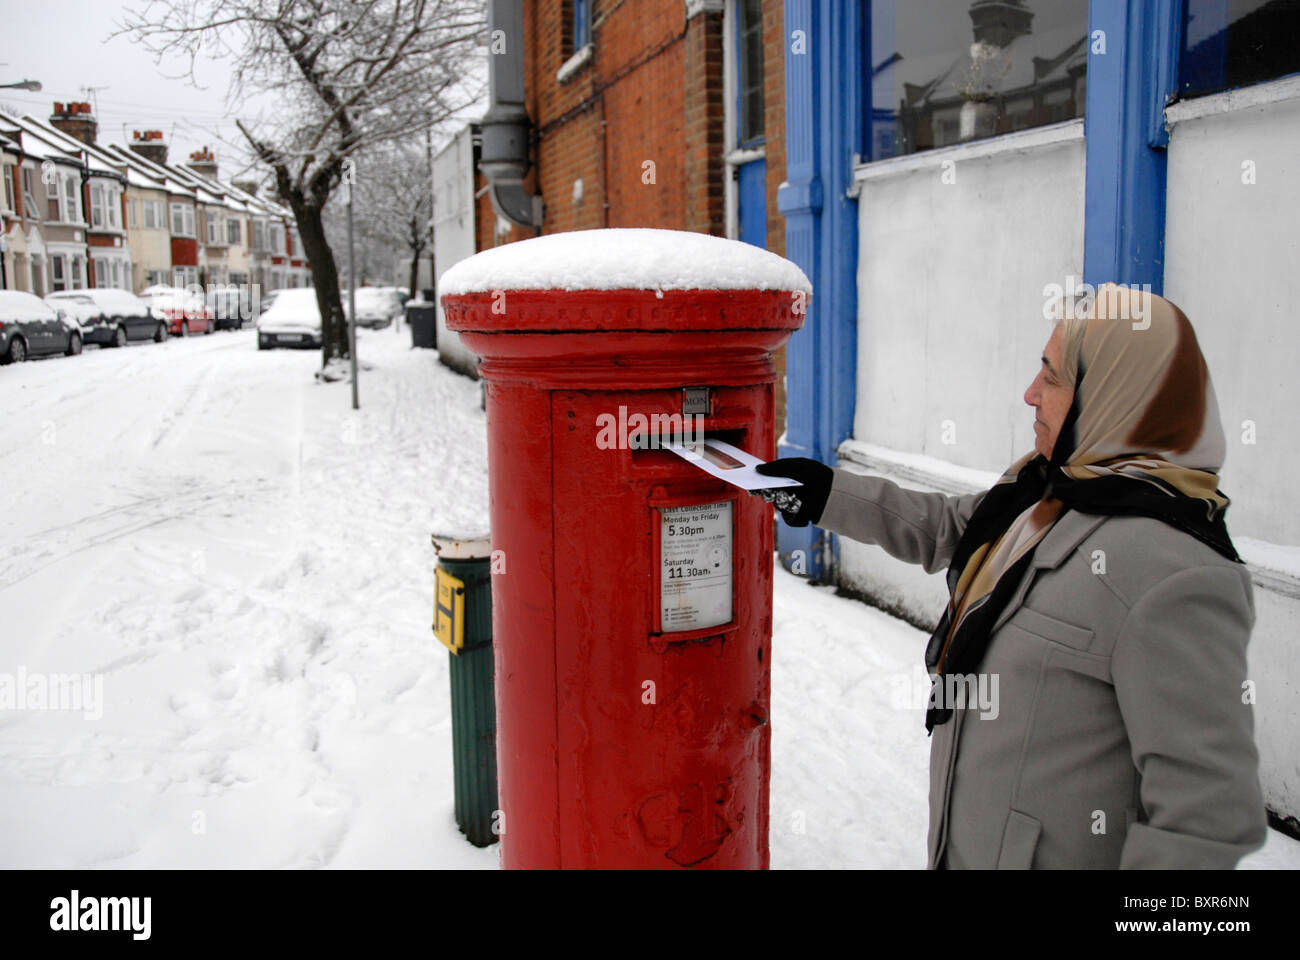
{"x": 581, "y": 24}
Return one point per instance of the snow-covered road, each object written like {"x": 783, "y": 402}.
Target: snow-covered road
{"x": 245, "y": 562}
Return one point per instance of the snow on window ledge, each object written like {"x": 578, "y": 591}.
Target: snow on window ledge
{"x": 574, "y": 64}
{"x": 1230, "y": 101}
{"x": 1006, "y": 143}
{"x": 740, "y": 156}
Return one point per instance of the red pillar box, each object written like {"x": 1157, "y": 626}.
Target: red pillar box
{"x": 632, "y": 595}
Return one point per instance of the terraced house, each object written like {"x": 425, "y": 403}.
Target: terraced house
{"x": 103, "y": 193}
{"x": 147, "y": 229}
{"x": 45, "y": 225}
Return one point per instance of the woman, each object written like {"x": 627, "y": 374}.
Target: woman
{"x": 1096, "y": 580}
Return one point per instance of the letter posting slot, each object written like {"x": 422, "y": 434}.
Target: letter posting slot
{"x": 633, "y": 623}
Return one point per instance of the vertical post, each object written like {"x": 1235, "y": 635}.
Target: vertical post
{"x": 352, "y": 302}
{"x": 1132, "y": 72}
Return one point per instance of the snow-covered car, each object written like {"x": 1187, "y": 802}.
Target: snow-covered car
{"x": 292, "y": 321}
{"x": 30, "y": 327}
{"x": 403, "y": 294}
{"x": 184, "y": 312}
{"x": 268, "y": 298}
{"x": 110, "y": 317}
{"x": 377, "y": 307}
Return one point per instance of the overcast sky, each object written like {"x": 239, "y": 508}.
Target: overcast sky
{"x": 65, "y": 45}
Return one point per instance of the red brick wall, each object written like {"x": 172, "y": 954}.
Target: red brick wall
{"x": 652, "y": 91}
{"x": 185, "y": 252}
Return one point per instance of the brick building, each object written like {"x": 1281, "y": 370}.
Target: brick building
{"x": 650, "y": 113}
{"x": 650, "y": 82}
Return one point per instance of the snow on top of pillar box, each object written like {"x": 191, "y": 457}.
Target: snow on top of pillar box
{"x": 623, "y": 259}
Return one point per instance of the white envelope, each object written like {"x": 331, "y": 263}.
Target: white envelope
{"x": 729, "y": 463}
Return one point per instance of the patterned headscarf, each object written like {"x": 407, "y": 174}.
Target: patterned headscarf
{"x": 1142, "y": 438}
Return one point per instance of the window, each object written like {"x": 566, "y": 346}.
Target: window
{"x": 29, "y": 194}
{"x": 9, "y": 187}
{"x": 581, "y": 24}
{"x": 211, "y": 219}
{"x": 153, "y": 214}
{"x": 182, "y": 220}
{"x": 114, "y": 199}
{"x": 277, "y": 239}
{"x": 1234, "y": 43}
{"x": 749, "y": 71}
{"x": 70, "y": 198}
{"x": 53, "y": 211}
{"x": 232, "y": 230}
{"x": 945, "y": 73}
{"x": 259, "y": 235}
{"x": 57, "y": 280}
{"x": 96, "y": 204}
{"x": 101, "y": 273}
{"x": 131, "y": 221}
{"x": 78, "y": 278}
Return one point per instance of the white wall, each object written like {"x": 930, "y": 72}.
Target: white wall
{"x": 1232, "y": 263}
{"x": 950, "y": 295}
{"x": 950, "y": 323}
{"x": 453, "y": 233}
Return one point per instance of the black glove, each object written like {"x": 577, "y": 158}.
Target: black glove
{"x": 810, "y": 500}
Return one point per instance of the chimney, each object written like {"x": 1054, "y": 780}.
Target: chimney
{"x": 76, "y": 120}
{"x": 203, "y": 163}
{"x": 150, "y": 145}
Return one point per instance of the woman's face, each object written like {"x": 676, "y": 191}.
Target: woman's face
{"x": 1050, "y": 395}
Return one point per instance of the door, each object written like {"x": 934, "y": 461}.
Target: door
{"x": 752, "y": 189}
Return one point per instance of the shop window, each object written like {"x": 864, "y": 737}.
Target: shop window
{"x": 944, "y": 73}
{"x": 1234, "y": 43}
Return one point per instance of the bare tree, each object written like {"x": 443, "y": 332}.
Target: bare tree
{"x": 394, "y": 200}
{"x": 347, "y": 76}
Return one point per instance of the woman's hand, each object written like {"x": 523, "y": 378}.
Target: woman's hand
{"x": 810, "y": 498}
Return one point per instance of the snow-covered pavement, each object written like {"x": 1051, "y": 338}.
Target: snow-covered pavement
{"x": 245, "y": 561}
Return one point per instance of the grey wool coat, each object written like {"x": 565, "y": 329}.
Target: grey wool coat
{"x": 1121, "y": 739}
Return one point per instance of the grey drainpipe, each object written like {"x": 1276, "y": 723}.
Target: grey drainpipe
{"x": 503, "y": 158}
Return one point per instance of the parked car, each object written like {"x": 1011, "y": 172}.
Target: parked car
{"x": 403, "y": 293}
{"x": 110, "y": 317}
{"x": 377, "y": 307}
{"x": 265, "y": 301}
{"x": 184, "y": 312}
{"x": 293, "y": 320}
{"x": 229, "y": 306}
{"x": 30, "y": 327}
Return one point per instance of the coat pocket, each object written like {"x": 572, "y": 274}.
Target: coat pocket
{"x": 1049, "y": 628}
{"x": 1019, "y": 840}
